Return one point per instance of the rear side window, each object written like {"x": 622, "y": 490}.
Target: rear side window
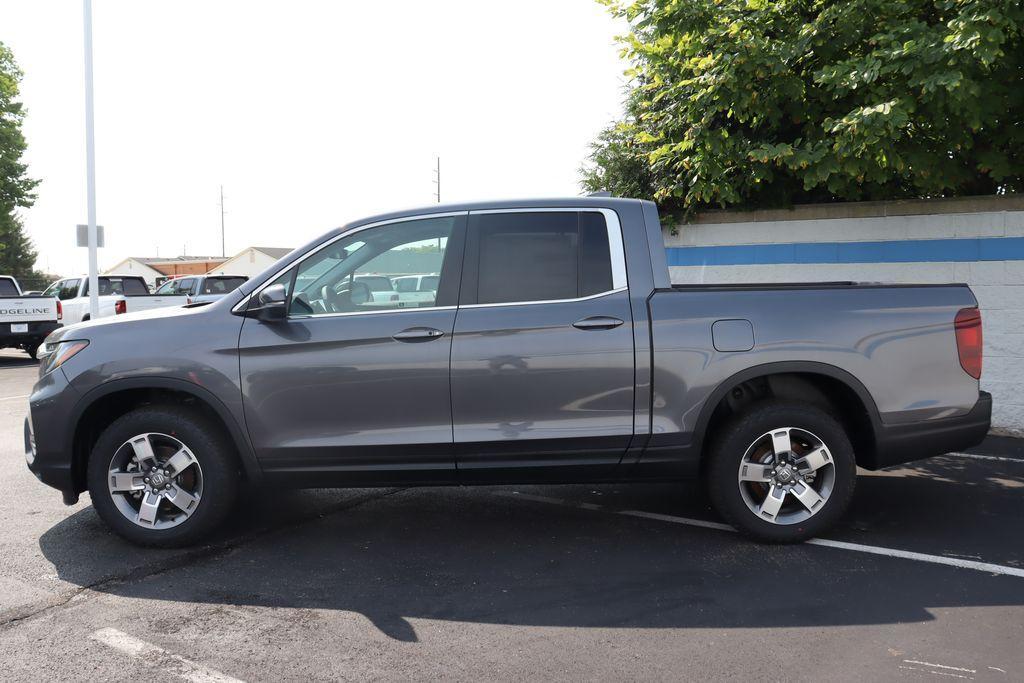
{"x": 543, "y": 256}
{"x": 7, "y": 288}
{"x": 133, "y": 287}
{"x": 222, "y": 285}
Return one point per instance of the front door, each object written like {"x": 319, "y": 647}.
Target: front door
{"x": 354, "y": 384}
{"x": 542, "y": 356}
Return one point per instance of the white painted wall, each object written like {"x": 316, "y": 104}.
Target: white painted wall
{"x": 998, "y": 285}
{"x": 248, "y": 263}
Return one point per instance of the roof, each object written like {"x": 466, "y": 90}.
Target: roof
{"x": 148, "y": 260}
{"x": 274, "y": 252}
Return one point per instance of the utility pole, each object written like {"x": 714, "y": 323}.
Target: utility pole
{"x": 437, "y": 180}
{"x": 90, "y": 163}
{"x": 222, "y": 254}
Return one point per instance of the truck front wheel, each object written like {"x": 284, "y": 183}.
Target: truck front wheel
{"x": 781, "y": 472}
{"x": 162, "y": 476}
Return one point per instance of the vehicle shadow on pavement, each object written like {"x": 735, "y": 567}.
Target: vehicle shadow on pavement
{"x": 472, "y": 555}
{"x": 7, "y": 361}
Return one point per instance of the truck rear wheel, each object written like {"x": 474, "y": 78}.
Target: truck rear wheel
{"x": 781, "y": 472}
{"x": 162, "y": 476}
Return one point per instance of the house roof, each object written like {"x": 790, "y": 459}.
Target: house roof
{"x": 275, "y": 252}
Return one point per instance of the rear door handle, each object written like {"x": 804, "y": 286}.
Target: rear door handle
{"x": 597, "y": 322}
{"x": 417, "y": 334}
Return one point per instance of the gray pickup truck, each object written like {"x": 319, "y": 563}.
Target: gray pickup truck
{"x": 554, "y": 349}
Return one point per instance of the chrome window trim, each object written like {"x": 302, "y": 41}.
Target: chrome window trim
{"x": 548, "y": 301}
{"x": 317, "y": 316}
{"x": 240, "y": 306}
{"x": 615, "y": 249}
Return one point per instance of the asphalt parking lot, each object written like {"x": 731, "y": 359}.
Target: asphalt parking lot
{"x": 925, "y": 578}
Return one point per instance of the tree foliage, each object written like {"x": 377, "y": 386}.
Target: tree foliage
{"x": 16, "y": 189}
{"x": 755, "y": 103}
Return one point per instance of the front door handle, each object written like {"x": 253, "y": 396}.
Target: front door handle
{"x": 597, "y": 322}
{"x": 417, "y": 334}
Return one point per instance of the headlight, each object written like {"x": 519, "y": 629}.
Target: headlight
{"x": 55, "y": 355}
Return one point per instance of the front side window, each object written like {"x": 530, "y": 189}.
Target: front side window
{"x": 357, "y": 273}
{"x": 542, "y": 256}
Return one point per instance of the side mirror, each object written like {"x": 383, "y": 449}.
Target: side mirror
{"x": 271, "y": 304}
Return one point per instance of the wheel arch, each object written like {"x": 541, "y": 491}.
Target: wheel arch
{"x": 99, "y": 407}
{"x": 826, "y": 385}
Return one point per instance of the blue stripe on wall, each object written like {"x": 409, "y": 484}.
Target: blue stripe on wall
{"x": 906, "y": 251}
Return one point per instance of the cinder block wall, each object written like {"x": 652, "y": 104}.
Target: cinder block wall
{"x": 977, "y": 240}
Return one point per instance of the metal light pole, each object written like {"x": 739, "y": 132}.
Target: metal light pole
{"x": 90, "y": 164}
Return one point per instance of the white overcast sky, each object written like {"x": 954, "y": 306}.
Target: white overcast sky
{"x": 309, "y": 113}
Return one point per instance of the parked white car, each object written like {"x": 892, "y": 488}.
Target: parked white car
{"x": 199, "y": 288}
{"x": 416, "y": 287}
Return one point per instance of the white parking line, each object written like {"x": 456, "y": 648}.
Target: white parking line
{"x": 159, "y": 658}
{"x": 840, "y": 545}
{"x": 11, "y": 398}
{"x": 975, "y": 456}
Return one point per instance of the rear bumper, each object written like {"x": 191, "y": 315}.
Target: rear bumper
{"x": 37, "y": 331}
{"x": 902, "y": 443}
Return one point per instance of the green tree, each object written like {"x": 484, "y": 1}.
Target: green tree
{"x": 16, "y": 189}
{"x": 757, "y": 103}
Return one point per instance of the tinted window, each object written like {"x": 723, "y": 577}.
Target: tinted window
{"x": 133, "y": 287}
{"x": 222, "y": 285}
{"x": 7, "y": 288}
{"x": 68, "y": 290}
{"x": 541, "y": 256}
{"x": 355, "y": 274}
{"x": 429, "y": 283}
{"x": 184, "y": 285}
{"x": 595, "y": 256}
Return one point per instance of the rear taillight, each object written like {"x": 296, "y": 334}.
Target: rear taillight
{"x": 968, "y": 340}
{"x": 120, "y": 306}
{"x": 60, "y": 311}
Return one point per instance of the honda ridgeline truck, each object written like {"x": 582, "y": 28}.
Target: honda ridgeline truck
{"x": 555, "y": 349}
{"x": 25, "y": 320}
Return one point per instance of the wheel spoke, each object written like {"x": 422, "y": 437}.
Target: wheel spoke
{"x": 781, "y": 443}
{"x": 143, "y": 451}
{"x": 815, "y": 460}
{"x": 148, "y": 508}
{"x": 184, "y": 500}
{"x": 754, "y": 471}
{"x": 808, "y": 497}
{"x": 180, "y": 461}
{"x": 125, "y": 482}
{"x": 773, "y": 503}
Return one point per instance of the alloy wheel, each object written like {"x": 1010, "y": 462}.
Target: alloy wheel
{"x": 786, "y": 476}
{"x": 155, "y": 481}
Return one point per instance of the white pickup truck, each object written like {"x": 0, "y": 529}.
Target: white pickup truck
{"x": 190, "y": 289}
{"x": 73, "y": 293}
{"x": 25, "y": 320}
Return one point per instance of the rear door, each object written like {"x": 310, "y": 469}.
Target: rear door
{"x": 542, "y": 357}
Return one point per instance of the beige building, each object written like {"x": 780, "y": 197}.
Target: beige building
{"x": 153, "y": 269}
{"x": 249, "y": 262}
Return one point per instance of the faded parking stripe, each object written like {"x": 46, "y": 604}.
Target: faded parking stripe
{"x": 841, "y": 545}
{"x": 160, "y": 659}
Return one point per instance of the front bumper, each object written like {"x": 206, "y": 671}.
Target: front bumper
{"x": 902, "y": 443}
{"x": 46, "y": 437}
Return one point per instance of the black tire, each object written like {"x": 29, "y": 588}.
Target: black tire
{"x": 220, "y": 474}
{"x": 33, "y": 351}
{"x": 727, "y": 450}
